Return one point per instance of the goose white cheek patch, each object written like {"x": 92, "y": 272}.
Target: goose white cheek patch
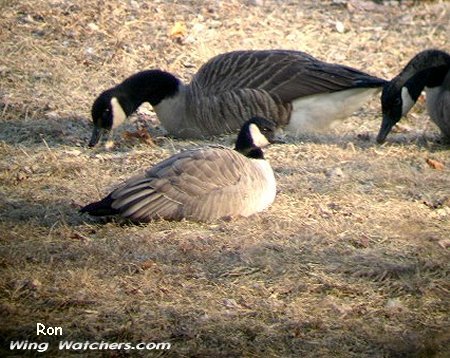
{"x": 118, "y": 114}
{"x": 407, "y": 101}
{"x": 258, "y": 138}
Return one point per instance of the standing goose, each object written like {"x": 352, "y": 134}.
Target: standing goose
{"x": 202, "y": 184}
{"x": 429, "y": 70}
{"x": 297, "y": 90}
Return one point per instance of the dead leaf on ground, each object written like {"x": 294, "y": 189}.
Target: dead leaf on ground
{"x": 141, "y": 134}
{"x": 435, "y": 164}
{"x": 178, "y": 30}
{"x": 148, "y": 264}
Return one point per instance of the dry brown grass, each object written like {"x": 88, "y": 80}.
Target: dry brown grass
{"x": 350, "y": 261}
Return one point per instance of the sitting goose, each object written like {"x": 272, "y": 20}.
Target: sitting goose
{"x": 201, "y": 184}
{"x": 429, "y": 70}
{"x": 297, "y": 90}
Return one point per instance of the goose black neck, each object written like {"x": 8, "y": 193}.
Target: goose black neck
{"x": 417, "y": 83}
{"x": 147, "y": 86}
{"x": 254, "y": 153}
{"x": 431, "y": 77}
{"x": 245, "y": 145}
{"x": 424, "y": 69}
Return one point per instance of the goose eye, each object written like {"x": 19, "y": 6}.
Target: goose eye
{"x": 397, "y": 101}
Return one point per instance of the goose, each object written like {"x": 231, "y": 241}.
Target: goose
{"x": 429, "y": 70}
{"x": 298, "y": 91}
{"x": 200, "y": 184}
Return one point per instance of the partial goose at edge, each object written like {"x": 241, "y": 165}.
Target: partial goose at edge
{"x": 429, "y": 70}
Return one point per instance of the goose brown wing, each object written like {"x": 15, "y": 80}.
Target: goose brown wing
{"x": 237, "y": 186}
{"x": 202, "y": 184}
{"x": 283, "y": 73}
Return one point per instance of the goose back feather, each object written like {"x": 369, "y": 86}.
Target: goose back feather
{"x": 241, "y": 84}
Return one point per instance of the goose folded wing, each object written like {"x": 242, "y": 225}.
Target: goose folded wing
{"x": 182, "y": 186}
{"x": 286, "y": 74}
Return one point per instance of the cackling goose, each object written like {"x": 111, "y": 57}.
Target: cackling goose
{"x": 201, "y": 184}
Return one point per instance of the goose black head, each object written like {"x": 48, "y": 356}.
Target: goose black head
{"x": 427, "y": 69}
{"x": 254, "y": 135}
{"x": 108, "y": 111}
{"x": 392, "y": 108}
{"x": 396, "y": 101}
{"x": 113, "y": 106}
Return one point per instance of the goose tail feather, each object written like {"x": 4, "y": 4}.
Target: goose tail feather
{"x": 100, "y": 208}
{"x": 371, "y": 82}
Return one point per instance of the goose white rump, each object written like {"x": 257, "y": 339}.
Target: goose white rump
{"x": 318, "y": 112}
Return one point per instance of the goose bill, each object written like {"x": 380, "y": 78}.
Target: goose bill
{"x": 386, "y": 127}
{"x": 97, "y": 134}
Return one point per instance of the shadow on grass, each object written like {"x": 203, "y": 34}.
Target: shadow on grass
{"x": 76, "y": 131}
{"x": 43, "y": 213}
{"x": 68, "y": 131}
{"x": 260, "y": 287}
{"x": 431, "y": 141}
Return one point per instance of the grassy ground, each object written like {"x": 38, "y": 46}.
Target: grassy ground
{"x": 350, "y": 261}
